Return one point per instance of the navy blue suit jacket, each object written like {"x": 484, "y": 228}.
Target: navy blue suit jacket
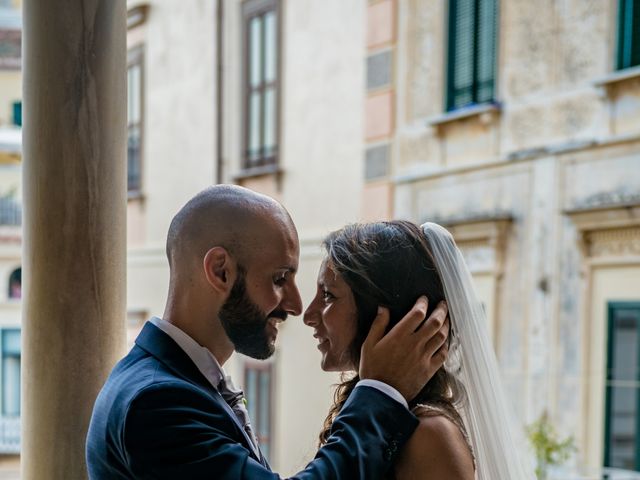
{"x": 157, "y": 417}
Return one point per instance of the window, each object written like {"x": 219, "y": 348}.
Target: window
{"x": 628, "y": 33}
{"x": 261, "y": 102}
{"x": 258, "y": 392}
{"x": 15, "y": 284}
{"x": 622, "y": 415}
{"x": 17, "y": 113}
{"x": 471, "y": 52}
{"x": 135, "y": 110}
{"x": 11, "y": 373}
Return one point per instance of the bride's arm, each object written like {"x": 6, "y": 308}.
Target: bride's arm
{"x": 437, "y": 450}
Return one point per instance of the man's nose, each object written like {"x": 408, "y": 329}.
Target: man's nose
{"x": 292, "y": 301}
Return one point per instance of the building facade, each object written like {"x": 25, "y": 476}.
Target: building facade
{"x": 10, "y": 235}
{"x": 516, "y": 124}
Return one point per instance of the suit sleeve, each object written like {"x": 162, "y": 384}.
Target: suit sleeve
{"x": 174, "y": 432}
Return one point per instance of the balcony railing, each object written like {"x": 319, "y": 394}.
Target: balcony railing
{"x": 9, "y": 435}
{"x": 10, "y": 212}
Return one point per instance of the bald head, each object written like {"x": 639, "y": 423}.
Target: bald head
{"x": 227, "y": 216}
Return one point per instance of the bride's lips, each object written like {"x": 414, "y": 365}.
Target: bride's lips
{"x": 323, "y": 343}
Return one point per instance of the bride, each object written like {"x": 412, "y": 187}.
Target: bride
{"x": 465, "y": 430}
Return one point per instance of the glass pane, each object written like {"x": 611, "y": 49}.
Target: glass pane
{"x": 255, "y": 51}
{"x": 269, "y": 121}
{"x": 623, "y": 377}
{"x": 255, "y": 108}
{"x": 133, "y": 158}
{"x": 486, "y": 49}
{"x": 623, "y": 414}
{"x": 625, "y": 341}
{"x": 250, "y": 392}
{"x": 379, "y": 68}
{"x": 271, "y": 46}
{"x": 265, "y": 404}
{"x": 11, "y": 385}
{"x": 463, "y": 44}
{"x": 134, "y": 94}
{"x": 11, "y": 342}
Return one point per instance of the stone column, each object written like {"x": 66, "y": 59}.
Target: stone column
{"x": 74, "y": 56}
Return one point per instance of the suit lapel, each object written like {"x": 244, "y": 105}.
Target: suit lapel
{"x": 160, "y": 345}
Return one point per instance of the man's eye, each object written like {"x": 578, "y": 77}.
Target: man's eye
{"x": 280, "y": 280}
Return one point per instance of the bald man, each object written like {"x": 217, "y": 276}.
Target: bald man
{"x": 168, "y": 411}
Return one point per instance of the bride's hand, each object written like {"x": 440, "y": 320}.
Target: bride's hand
{"x": 411, "y": 353}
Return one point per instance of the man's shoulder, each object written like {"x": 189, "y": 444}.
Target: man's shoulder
{"x": 137, "y": 373}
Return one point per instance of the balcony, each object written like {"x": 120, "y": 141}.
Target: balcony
{"x": 9, "y": 435}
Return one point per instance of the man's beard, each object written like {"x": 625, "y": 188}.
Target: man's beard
{"x": 245, "y": 324}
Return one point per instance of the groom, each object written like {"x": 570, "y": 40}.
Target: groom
{"x": 167, "y": 410}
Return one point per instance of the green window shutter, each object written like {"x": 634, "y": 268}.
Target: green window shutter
{"x": 472, "y": 52}
{"x": 486, "y": 58}
{"x": 17, "y": 113}
{"x": 628, "y": 33}
{"x": 622, "y": 395}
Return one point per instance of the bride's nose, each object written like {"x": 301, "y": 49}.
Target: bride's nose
{"x": 313, "y": 313}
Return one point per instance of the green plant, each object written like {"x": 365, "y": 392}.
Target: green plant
{"x": 549, "y": 449}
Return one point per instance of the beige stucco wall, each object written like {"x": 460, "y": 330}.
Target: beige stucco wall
{"x": 178, "y": 143}
{"x": 564, "y": 137}
{"x": 10, "y": 91}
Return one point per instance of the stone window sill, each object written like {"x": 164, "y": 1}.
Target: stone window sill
{"x": 617, "y": 77}
{"x": 135, "y": 196}
{"x": 258, "y": 172}
{"x": 484, "y": 112}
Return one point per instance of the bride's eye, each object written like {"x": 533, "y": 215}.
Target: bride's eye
{"x": 327, "y": 296}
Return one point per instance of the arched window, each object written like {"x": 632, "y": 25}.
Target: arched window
{"x": 15, "y": 283}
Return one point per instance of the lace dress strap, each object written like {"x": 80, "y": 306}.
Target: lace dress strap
{"x": 423, "y": 410}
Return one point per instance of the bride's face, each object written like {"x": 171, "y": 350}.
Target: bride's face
{"x": 333, "y": 316}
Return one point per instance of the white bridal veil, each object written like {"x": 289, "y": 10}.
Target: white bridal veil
{"x": 497, "y": 440}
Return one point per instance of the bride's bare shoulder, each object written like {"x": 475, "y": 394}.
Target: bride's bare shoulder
{"x": 437, "y": 449}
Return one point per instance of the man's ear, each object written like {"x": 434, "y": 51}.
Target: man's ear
{"x": 220, "y": 268}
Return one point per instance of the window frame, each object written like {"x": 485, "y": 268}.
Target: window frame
{"x": 250, "y": 10}
{"x": 261, "y": 368}
{"x": 611, "y": 308}
{"x": 624, "y": 36}
{"x": 136, "y": 57}
{"x": 3, "y": 356}
{"x": 15, "y": 272}
{"x": 449, "y": 100}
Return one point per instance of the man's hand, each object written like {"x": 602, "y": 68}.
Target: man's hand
{"x": 411, "y": 353}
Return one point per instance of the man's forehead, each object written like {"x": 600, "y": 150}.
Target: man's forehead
{"x": 278, "y": 248}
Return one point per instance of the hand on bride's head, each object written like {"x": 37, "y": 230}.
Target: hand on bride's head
{"x": 411, "y": 353}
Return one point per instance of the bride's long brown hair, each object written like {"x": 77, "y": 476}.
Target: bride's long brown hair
{"x": 388, "y": 264}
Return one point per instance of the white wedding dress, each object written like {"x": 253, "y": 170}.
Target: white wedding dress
{"x": 496, "y": 439}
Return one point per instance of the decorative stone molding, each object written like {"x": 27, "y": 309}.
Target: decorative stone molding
{"x": 482, "y": 241}
{"x": 608, "y": 231}
{"x": 613, "y": 242}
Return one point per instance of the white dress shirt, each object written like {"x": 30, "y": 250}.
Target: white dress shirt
{"x": 214, "y": 373}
